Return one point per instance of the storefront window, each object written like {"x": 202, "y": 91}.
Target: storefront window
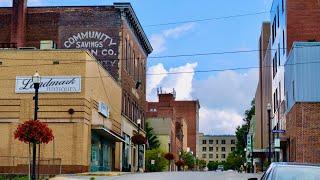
{"x": 125, "y": 154}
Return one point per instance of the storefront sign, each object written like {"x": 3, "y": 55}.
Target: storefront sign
{"x": 279, "y": 131}
{"x": 49, "y": 84}
{"x": 103, "y": 109}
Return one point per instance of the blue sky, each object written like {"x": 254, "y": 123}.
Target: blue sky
{"x": 223, "y": 95}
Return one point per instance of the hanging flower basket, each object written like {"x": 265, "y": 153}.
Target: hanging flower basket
{"x": 138, "y": 139}
{"x": 180, "y": 163}
{"x": 169, "y": 156}
{"x": 34, "y": 132}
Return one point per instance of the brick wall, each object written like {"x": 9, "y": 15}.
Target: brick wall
{"x": 303, "y": 21}
{"x": 303, "y": 130}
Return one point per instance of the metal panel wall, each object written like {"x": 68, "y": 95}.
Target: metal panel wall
{"x": 302, "y": 73}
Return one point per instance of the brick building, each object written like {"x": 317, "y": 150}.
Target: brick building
{"x": 291, "y": 21}
{"x": 113, "y": 34}
{"x": 180, "y": 113}
{"x": 85, "y": 137}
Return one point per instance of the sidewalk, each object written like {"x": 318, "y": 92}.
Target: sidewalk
{"x": 87, "y": 175}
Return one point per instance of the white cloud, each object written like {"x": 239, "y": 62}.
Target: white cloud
{"x": 223, "y": 96}
{"x": 159, "y": 40}
{"x": 181, "y": 82}
{"x": 216, "y": 121}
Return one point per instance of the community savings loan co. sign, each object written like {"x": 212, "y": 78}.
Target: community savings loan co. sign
{"x": 49, "y": 84}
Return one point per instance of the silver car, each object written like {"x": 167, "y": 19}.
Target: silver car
{"x": 291, "y": 171}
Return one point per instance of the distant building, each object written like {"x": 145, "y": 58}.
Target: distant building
{"x": 177, "y": 122}
{"x": 263, "y": 95}
{"x": 216, "y": 147}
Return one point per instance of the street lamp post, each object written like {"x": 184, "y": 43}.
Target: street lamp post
{"x": 269, "y": 133}
{"x": 36, "y": 84}
{"x": 139, "y": 123}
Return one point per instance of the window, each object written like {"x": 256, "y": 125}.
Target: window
{"x": 279, "y": 53}
{"x": 223, "y": 149}
{"x": 204, "y": 149}
{"x": 217, "y": 149}
{"x": 217, "y": 141}
{"x": 279, "y": 93}
{"x": 223, "y": 141}
{"x": 204, "y": 156}
{"x": 283, "y": 43}
{"x": 275, "y": 65}
{"x": 126, "y": 54}
{"x": 233, "y": 141}
{"x": 233, "y": 148}
{"x": 282, "y": 6}
{"x": 204, "y": 141}
{"x": 287, "y": 100}
{"x": 278, "y": 16}
{"x": 210, "y": 149}
{"x": 210, "y": 156}
{"x": 293, "y": 93}
{"x": 210, "y": 141}
{"x": 217, "y": 156}
{"x": 223, "y": 156}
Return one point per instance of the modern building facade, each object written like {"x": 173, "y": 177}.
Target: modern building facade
{"x": 216, "y": 147}
{"x": 303, "y": 102}
{"x": 291, "y": 21}
{"x": 112, "y": 34}
{"x": 180, "y": 120}
{"x": 86, "y": 121}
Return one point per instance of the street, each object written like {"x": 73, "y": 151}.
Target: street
{"x": 172, "y": 176}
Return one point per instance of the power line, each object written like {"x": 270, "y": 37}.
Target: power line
{"x": 208, "y": 19}
{"x": 204, "y": 71}
{"x": 161, "y": 57}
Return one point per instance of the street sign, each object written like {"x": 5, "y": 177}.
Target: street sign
{"x": 281, "y": 131}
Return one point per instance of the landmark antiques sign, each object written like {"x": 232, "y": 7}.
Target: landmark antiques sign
{"x": 49, "y": 84}
{"x": 102, "y": 46}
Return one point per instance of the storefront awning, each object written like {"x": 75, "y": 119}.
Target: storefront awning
{"x": 104, "y": 132}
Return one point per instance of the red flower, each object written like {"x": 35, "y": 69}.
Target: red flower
{"x": 180, "y": 163}
{"x": 138, "y": 139}
{"x": 169, "y": 156}
{"x": 34, "y": 132}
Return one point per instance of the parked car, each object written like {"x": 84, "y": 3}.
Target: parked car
{"x": 220, "y": 168}
{"x": 291, "y": 171}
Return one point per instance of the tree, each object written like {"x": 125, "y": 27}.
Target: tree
{"x": 153, "y": 141}
{"x": 188, "y": 158}
{"x": 234, "y": 161}
{"x": 201, "y": 163}
{"x": 213, "y": 165}
{"x": 242, "y": 131}
{"x": 160, "y": 163}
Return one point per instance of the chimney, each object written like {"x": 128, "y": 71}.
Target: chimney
{"x": 18, "y": 22}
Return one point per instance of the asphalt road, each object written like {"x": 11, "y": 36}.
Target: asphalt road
{"x": 172, "y": 176}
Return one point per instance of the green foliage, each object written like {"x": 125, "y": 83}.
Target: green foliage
{"x": 160, "y": 162}
{"x": 153, "y": 140}
{"x": 201, "y": 163}
{"x": 188, "y": 158}
{"x": 213, "y": 165}
{"x": 234, "y": 161}
{"x": 242, "y": 131}
{"x": 92, "y": 178}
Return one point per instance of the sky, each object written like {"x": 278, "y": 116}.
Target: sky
{"x": 223, "y": 95}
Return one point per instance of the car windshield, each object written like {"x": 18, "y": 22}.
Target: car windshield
{"x": 297, "y": 173}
